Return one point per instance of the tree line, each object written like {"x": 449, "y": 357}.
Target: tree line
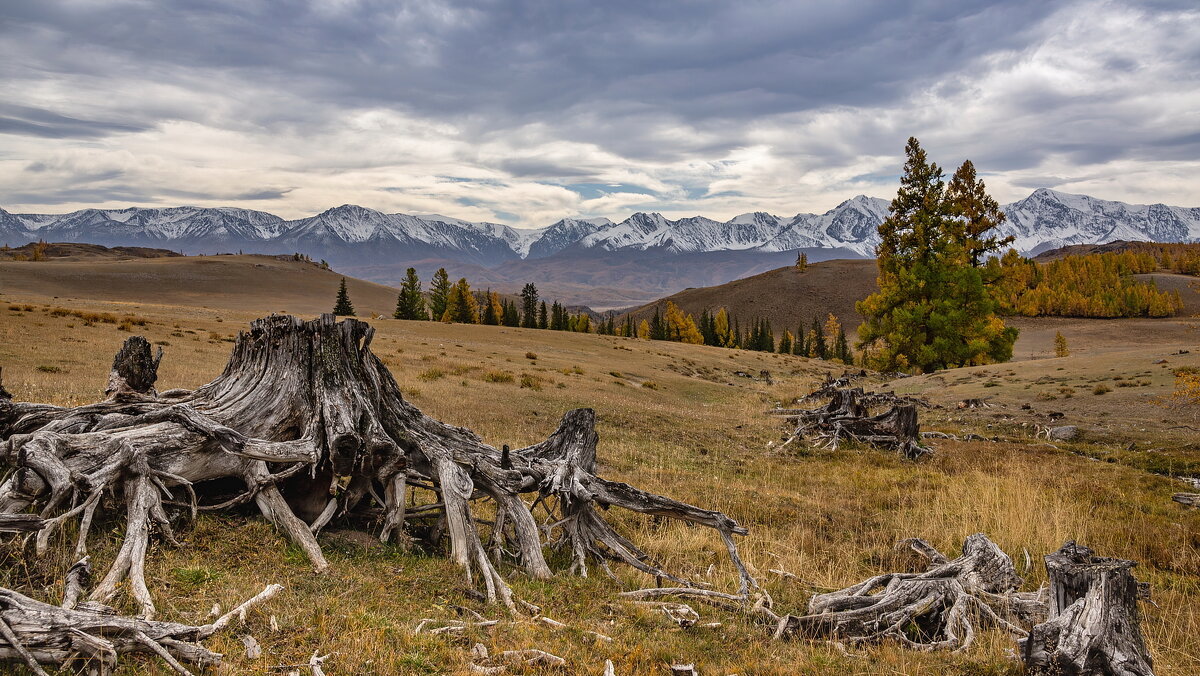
{"x": 1089, "y": 285}
{"x": 456, "y": 302}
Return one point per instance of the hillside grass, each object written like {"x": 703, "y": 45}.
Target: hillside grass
{"x": 672, "y": 419}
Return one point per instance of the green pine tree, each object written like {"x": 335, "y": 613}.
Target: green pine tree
{"x": 543, "y": 319}
{"x": 817, "y": 347}
{"x": 342, "y": 307}
{"x": 439, "y": 293}
{"x": 411, "y": 302}
{"x": 933, "y": 309}
{"x": 529, "y": 306}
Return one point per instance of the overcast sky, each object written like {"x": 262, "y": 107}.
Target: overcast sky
{"x": 525, "y": 112}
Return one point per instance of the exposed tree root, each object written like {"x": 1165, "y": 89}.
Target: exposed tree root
{"x": 940, "y": 608}
{"x": 847, "y": 417}
{"x": 92, "y": 635}
{"x": 306, "y": 424}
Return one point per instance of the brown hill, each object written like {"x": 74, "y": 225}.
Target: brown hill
{"x": 253, "y": 283}
{"x": 79, "y": 250}
{"x": 786, "y": 296}
{"x": 1117, "y": 246}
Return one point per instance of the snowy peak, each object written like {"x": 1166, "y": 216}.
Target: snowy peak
{"x": 1045, "y": 219}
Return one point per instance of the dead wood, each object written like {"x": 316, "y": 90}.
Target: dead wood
{"x": 940, "y": 608}
{"x": 1189, "y": 499}
{"x": 1094, "y": 626}
{"x": 93, "y": 636}
{"x": 307, "y": 425}
{"x": 847, "y": 417}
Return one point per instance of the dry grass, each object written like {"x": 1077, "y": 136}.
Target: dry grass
{"x": 693, "y": 431}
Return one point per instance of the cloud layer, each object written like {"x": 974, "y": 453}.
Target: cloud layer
{"x": 525, "y": 112}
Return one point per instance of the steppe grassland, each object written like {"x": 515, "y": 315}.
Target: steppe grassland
{"x": 670, "y": 422}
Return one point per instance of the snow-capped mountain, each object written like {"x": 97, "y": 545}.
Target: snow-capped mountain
{"x": 357, "y": 235}
{"x": 1048, "y": 219}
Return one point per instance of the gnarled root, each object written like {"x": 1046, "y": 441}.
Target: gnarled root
{"x": 939, "y": 608}
{"x": 314, "y": 428}
{"x": 92, "y": 635}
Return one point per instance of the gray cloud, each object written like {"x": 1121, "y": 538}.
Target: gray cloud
{"x": 782, "y": 105}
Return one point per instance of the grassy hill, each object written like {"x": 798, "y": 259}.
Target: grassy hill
{"x": 784, "y": 295}
{"x": 258, "y": 283}
{"x": 674, "y": 419}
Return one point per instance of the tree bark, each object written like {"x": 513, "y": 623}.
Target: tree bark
{"x": 314, "y": 428}
{"x": 1094, "y": 628}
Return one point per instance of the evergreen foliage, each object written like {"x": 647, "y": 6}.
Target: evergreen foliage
{"x": 529, "y": 306}
{"x": 461, "y": 306}
{"x": 512, "y": 317}
{"x": 543, "y": 318}
{"x": 439, "y": 293}
{"x": 411, "y": 302}
{"x": 342, "y": 306}
{"x": 933, "y": 309}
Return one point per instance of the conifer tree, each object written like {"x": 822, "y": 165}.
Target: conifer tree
{"x": 461, "y": 306}
{"x": 491, "y": 313}
{"x": 643, "y": 330}
{"x": 627, "y": 330}
{"x": 932, "y": 309}
{"x": 800, "y": 347}
{"x": 529, "y": 306}
{"x": 818, "y": 348}
{"x": 558, "y": 320}
{"x": 658, "y": 329}
{"x": 1060, "y": 345}
{"x": 439, "y": 293}
{"x": 342, "y": 306}
{"x": 411, "y": 303}
{"x": 830, "y": 330}
{"x": 802, "y": 262}
{"x": 543, "y": 319}
{"x": 974, "y": 214}
{"x": 512, "y": 317}
{"x": 721, "y": 330}
{"x": 785, "y": 342}
{"x": 735, "y": 335}
{"x": 841, "y": 348}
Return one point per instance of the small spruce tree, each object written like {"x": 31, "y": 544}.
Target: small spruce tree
{"x": 529, "y": 306}
{"x": 439, "y": 293}
{"x": 802, "y": 262}
{"x": 342, "y": 307}
{"x": 411, "y": 303}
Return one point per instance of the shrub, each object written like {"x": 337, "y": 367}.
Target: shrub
{"x": 1101, "y": 389}
{"x": 431, "y": 374}
{"x": 125, "y": 326}
{"x": 531, "y": 355}
{"x": 531, "y": 381}
{"x": 49, "y": 369}
{"x": 498, "y": 377}
{"x": 650, "y": 384}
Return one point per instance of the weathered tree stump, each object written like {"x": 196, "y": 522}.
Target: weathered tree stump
{"x": 847, "y": 416}
{"x": 939, "y": 608}
{"x": 313, "y": 428}
{"x": 1094, "y": 628}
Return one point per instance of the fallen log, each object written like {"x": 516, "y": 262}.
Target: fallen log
{"x": 939, "y": 608}
{"x": 313, "y": 427}
{"x": 1094, "y": 626}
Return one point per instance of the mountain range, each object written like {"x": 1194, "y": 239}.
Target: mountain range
{"x": 595, "y": 260}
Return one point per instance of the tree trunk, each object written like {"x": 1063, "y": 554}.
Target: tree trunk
{"x": 1094, "y": 628}
{"x": 314, "y": 427}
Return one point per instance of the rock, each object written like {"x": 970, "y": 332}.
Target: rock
{"x": 1063, "y": 433}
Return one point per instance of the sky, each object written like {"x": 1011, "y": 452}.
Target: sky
{"x": 527, "y": 112}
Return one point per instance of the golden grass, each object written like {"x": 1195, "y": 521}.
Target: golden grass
{"x": 696, "y": 434}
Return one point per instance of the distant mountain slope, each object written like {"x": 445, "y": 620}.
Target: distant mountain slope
{"x": 786, "y": 296}
{"x": 644, "y": 255}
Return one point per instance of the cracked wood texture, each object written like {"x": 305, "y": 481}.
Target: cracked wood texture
{"x": 1094, "y": 627}
{"x": 312, "y": 429}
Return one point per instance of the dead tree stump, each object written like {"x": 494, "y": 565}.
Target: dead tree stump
{"x": 1094, "y": 628}
{"x": 847, "y": 417}
{"x": 313, "y": 427}
{"x": 939, "y": 608}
